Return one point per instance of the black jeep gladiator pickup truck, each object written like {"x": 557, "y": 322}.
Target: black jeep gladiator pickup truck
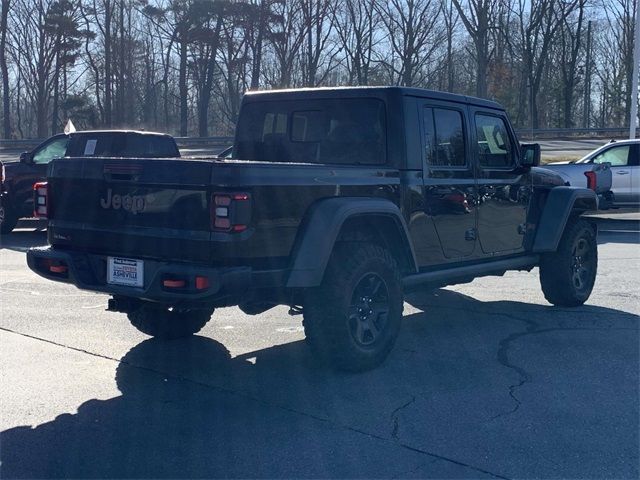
{"x": 335, "y": 202}
{"x": 17, "y": 178}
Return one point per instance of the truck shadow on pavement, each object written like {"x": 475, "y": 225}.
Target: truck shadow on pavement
{"x": 472, "y": 390}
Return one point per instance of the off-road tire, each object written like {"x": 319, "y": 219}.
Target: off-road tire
{"x": 567, "y": 275}
{"x": 330, "y": 322}
{"x": 166, "y": 324}
{"x": 8, "y": 219}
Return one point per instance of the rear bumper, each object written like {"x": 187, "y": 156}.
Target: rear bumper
{"x": 89, "y": 272}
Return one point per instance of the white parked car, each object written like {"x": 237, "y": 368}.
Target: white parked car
{"x": 624, "y": 158}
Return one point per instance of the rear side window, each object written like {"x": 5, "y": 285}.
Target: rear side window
{"x": 122, "y": 144}
{"x": 494, "y": 145}
{"x": 90, "y": 145}
{"x": 345, "y": 131}
{"x": 444, "y": 138}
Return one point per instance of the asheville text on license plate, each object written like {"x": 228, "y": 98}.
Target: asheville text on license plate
{"x": 123, "y": 271}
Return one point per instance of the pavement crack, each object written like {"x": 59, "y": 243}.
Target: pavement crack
{"x": 502, "y": 356}
{"x": 394, "y": 417}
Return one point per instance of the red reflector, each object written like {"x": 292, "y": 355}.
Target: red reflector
{"x": 202, "y": 283}
{"x": 239, "y": 228}
{"x": 58, "y": 268}
{"x": 591, "y": 180}
{"x": 222, "y": 223}
{"x": 174, "y": 283}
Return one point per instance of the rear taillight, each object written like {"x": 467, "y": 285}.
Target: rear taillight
{"x": 591, "y": 180}
{"x": 41, "y": 201}
{"x": 230, "y": 212}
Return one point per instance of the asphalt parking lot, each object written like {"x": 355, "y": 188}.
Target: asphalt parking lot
{"x": 487, "y": 380}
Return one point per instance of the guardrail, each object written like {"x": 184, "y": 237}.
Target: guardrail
{"x": 523, "y": 133}
{"x": 561, "y": 133}
{"x": 222, "y": 142}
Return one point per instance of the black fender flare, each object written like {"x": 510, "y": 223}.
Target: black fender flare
{"x": 561, "y": 203}
{"x": 320, "y": 229}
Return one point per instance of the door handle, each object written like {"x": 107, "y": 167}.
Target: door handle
{"x": 623, "y": 172}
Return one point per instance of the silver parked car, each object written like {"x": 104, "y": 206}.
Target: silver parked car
{"x": 624, "y": 158}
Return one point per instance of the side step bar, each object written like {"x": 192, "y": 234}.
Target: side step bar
{"x": 451, "y": 276}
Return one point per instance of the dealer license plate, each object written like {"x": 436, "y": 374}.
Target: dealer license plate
{"x": 124, "y": 271}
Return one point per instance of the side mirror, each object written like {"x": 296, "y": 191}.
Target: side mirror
{"x": 26, "y": 157}
{"x": 529, "y": 154}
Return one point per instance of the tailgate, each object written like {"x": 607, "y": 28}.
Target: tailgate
{"x": 131, "y": 208}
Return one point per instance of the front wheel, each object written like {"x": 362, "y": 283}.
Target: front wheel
{"x": 168, "y": 323}
{"x": 567, "y": 276}
{"x": 353, "y": 318}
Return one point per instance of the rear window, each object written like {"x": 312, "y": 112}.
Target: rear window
{"x": 345, "y": 131}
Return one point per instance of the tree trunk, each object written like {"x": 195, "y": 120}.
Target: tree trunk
{"x": 207, "y": 85}
{"x": 5, "y": 71}
{"x": 257, "y": 55}
{"x": 182, "y": 87}
{"x": 107, "y": 65}
{"x": 56, "y": 91}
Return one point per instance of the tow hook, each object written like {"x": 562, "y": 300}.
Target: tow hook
{"x": 122, "y": 304}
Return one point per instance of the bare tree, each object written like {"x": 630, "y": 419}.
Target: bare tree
{"x": 570, "y": 49}
{"x": 286, "y": 38}
{"x": 539, "y": 22}
{"x": 356, "y": 24}
{"x": 35, "y": 45}
{"x": 478, "y": 19}
{"x": 317, "y": 50}
{"x": 414, "y": 35}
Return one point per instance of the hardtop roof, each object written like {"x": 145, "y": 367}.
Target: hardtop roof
{"x": 341, "y": 92}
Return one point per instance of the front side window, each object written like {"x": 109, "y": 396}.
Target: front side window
{"x": 54, "y": 149}
{"x": 616, "y": 156}
{"x": 444, "y": 138}
{"x": 494, "y": 145}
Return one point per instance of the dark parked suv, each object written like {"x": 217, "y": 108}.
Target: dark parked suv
{"x": 18, "y": 178}
{"x": 335, "y": 202}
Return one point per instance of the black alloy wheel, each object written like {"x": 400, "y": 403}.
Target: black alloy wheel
{"x": 369, "y": 310}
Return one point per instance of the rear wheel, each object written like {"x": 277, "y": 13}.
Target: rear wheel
{"x": 567, "y": 276}
{"x": 8, "y": 219}
{"x": 168, "y": 323}
{"x": 352, "y": 320}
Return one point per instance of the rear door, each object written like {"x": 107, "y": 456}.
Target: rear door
{"x": 449, "y": 184}
{"x": 503, "y": 193}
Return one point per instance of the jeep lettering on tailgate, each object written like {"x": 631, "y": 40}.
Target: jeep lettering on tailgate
{"x": 130, "y": 203}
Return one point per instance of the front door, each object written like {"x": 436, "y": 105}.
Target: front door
{"x": 624, "y": 160}
{"x": 36, "y": 171}
{"x": 503, "y": 191}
